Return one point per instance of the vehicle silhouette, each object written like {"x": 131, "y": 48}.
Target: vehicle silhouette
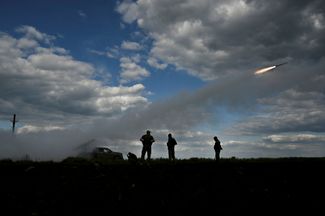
{"x": 97, "y": 149}
{"x": 104, "y": 152}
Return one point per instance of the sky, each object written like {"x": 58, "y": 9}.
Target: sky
{"x": 76, "y": 71}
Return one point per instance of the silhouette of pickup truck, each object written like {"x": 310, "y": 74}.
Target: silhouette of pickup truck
{"x": 104, "y": 152}
{"x": 97, "y": 149}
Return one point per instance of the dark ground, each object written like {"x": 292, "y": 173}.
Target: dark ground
{"x": 231, "y": 187}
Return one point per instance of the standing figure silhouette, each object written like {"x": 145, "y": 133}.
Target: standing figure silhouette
{"x": 217, "y": 148}
{"x": 147, "y": 141}
{"x": 171, "y": 147}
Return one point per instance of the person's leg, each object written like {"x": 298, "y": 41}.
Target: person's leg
{"x": 169, "y": 154}
{"x": 149, "y": 153}
{"x": 173, "y": 153}
{"x": 143, "y": 152}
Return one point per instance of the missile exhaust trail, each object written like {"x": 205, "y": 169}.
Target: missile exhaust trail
{"x": 266, "y": 69}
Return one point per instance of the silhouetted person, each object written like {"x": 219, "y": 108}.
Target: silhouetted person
{"x": 132, "y": 158}
{"x": 147, "y": 141}
{"x": 217, "y": 148}
{"x": 171, "y": 147}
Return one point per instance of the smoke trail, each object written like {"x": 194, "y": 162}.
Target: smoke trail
{"x": 264, "y": 70}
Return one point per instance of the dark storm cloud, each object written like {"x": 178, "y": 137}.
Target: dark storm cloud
{"x": 300, "y": 138}
{"x": 267, "y": 148}
{"x": 284, "y": 120}
{"x": 297, "y": 108}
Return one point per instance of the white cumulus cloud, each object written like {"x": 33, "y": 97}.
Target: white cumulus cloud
{"x": 129, "y": 45}
{"x": 131, "y": 70}
{"x": 42, "y": 83}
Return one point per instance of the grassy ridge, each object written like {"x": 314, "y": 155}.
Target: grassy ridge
{"x": 233, "y": 186}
